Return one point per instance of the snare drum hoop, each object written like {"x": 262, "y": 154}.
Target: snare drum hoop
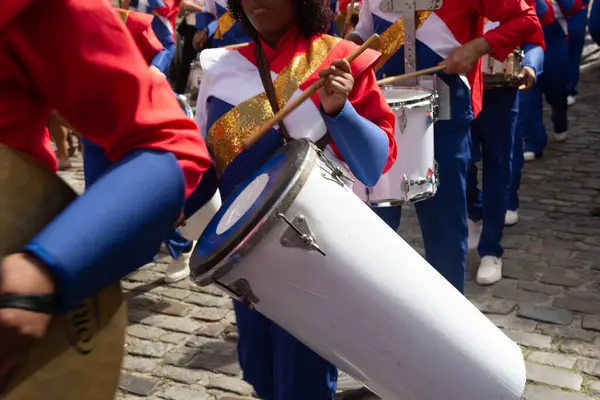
{"x": 426, "y": 97}
{"x": 221, "y": 261}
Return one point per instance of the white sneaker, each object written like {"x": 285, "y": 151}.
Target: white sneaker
{"x": 178, "y": 269}
{"x": 560, "y": 137}
{"x": 529, "y": 156}
{"x": 511, "y": 218}
{"x": 571, "y": 100}
{"x": 490, "y": 270}
{"x": 346, "y": 382}
{"x": 474, "y": 234}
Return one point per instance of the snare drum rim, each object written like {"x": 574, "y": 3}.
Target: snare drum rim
{"x": 207, "y": 270}
{"x": 426, "y": 98}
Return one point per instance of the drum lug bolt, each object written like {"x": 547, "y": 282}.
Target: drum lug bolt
{"x": 298, "y": 234}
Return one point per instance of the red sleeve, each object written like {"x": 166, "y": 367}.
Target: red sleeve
{"x": 140, "y": 27}
{"x": 518, "y": 21}
{"x": 89, "y": 70}
{"x": 170, "y": 7}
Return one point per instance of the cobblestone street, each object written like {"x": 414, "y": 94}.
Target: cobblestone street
{"x": 181, "y": 339}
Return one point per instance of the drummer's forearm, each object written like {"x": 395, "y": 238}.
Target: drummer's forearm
{"x": 363, "y": 145}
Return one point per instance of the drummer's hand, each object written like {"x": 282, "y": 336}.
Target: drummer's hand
{"x": 462, "y": 59}
{"x": 527, "y": 76}
{"x": 154, "y": 69}
{"x": 199, "y": 39}
{"x": 338, "y": 85}
{"x": 21, "y": 274}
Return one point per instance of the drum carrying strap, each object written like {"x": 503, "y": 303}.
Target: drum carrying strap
{"x": 265, "y": 77}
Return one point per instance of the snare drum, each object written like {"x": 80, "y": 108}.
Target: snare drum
{"x": 295, "y": 244}
{"x": 502, "y": 74}
{"x": 194, "y": 78}
{"x": 413, "y": 177}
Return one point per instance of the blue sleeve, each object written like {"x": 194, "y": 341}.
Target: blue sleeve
{"x": 566, "y": 6}
{"x": 534, "y": 57}
{"x": 203, "y": 19}
{"x": 165, "y": 36}
{"x": 594, "y": 22}
{"x": 212, "y": 28}
{"x": 363, "y": 144}
{"x": 114, "y": 228}
{"x": 162, "y": 60}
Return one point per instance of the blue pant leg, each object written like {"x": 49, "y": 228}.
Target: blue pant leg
{"x": 554, "y": 78}
{"x": 390, "y": 215}
{"x": 255, "y": 350}
{"x": 532, "y": 120}
{"x": 95, "y": 163}
{"x": 577, "y": 27}
{"x": 474, "y": 198}
{"x": 517, "y": 162}
{"x": 299, "y": 372}
{"x": 443, "y": 218}
{"x": 498, "y": 118}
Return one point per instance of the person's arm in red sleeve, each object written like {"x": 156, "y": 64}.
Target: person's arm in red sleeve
{"x": 518, "y": 21}
{"x": 89, "y": 70}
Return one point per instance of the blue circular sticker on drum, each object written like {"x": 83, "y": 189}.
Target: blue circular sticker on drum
{"x": 244, "y": 208}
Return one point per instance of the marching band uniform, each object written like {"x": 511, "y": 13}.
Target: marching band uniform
{"x": 274, "y": 362}
{"x": 443, "y": 218}
{"x": 594, "y": 22}
{"x": 576, "y": 25}
{"x": 163, "y": 24}
{"x": 220, "y": 25}
{"x": 117, "y": 225}
{"x": 492, "y": 134}
{"x": 552, "y": 83}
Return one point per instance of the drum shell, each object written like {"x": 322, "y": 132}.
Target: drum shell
{"x": 374, "y": 307}
{"x": 414, "y": 133}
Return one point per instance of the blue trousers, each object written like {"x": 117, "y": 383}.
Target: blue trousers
{"x": 577, "y": 27}
{"x": 518, "y": 161}
{"x": 553, "y": 85}
{"x": 443, "y": 218}
{"x": 277, "y": 365}
{"x": 492, "y": 136}
{"x": 95, "y": 164}
{"x": 594, "y": 22}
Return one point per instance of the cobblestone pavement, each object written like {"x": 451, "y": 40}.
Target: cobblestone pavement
{"x": 181, "y": 339}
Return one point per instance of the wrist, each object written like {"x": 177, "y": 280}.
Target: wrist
{"x": 482, "y": 46}
{"x": 24, "y": 273}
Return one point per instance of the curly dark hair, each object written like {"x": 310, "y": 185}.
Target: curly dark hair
{"x": 312, "y": 16}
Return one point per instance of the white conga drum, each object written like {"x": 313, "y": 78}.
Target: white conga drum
{"x": 294, "y": 243}
{"x": 413, "y": 177}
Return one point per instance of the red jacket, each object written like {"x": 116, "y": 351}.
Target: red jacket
{"x": 39, "y": 73}
{"x": 140, "y": 27}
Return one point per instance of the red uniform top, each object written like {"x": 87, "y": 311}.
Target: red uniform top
{"x": 140, "y": 27}
{"x": 39, "y": 73}
{"x": 170, "y": 10}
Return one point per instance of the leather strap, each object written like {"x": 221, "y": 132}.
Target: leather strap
{"x": 265, "y": 77}
{"x": 42, "y": 303}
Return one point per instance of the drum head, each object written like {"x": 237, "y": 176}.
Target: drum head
{"x": 80, "y": 355}
{"x": 398, "y": 96}
{"x": 248, "y": 208}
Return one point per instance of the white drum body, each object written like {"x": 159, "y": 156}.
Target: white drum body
{"x": 369, "y": 303}
{"x": 195, "y": 77}
{"x": 413, "y": 177}
{"x": 195, "y": 225}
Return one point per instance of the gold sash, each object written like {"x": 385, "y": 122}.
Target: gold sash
{"x": 224, "y": 23}
{"x": 393, "y": 37}
{"x": 123, "y": 14}
{"x": 226, "y": 136}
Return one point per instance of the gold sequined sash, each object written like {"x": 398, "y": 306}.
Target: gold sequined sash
{"x": 224, "y": 23}
{"x": 225, "y": 137}
{"x": 393, "y": 37}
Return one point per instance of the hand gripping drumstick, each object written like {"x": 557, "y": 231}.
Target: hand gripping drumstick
{"x": 398, "y": 78}
{"x": 373, "y": 41}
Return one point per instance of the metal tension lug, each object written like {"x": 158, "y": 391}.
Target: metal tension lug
{"x": 298, "y": 234}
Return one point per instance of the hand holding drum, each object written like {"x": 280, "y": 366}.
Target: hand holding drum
{"x": 372, "y": 42}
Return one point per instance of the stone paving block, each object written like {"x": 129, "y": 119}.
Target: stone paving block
{"x": 594, "y": 387}
{"x": 527, "y": 339}
{"x": 171, "y": 308}
{"x": 210, "y": 314}
{"x": 229, "y": 384}
{"x": 138, "y": 384}
{"x": 560, "y": 280}
{"x": 545, "y": 314}
{"x": 207, "y": 300}
{"x": 569, "y": 332}
{"x": 147, "y": 348}
{"x": 174, "y": 338}
{"x": 539, "y": 288}
{"x": 574, "y": 304}
{"x": 553, "y": 376}
{"x": 176, "y": 324}
{"x": 145, "y": 332}
{"x": 212, "y": 329}
{"x": 591, "y": 322}
{"x": 552, "y": 359}
{"x": 519, "y": 295}
{"x": 589, "y": 366}
{"x": 146, "y": 276}
{"x": 226, "y": 364}
{"x": 494, "y": 306}
{"x": 184, "y": 375}
{"x": 177, "y": 392}
{"x": 579, "y": 348}
{"x": 139, "y": 364}
{"x": 512, "y": 322}
{"x": 546, "y": 393}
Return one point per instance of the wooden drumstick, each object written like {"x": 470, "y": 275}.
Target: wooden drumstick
{"x": 372, "y": 42}
{"x": 398, "y": 78}
{"x": 235, "y": 46}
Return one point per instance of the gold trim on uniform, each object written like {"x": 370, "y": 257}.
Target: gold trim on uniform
{"x": 224, "y": 23}
{"x": 226, "y": 136}
{"x": 393, "y": 37}
{"x": 123, "y": 14}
